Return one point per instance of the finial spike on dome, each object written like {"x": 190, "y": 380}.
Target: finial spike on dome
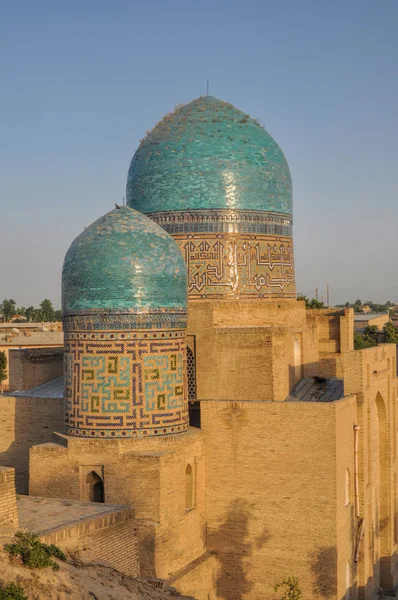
{"x": 207, "y": 89}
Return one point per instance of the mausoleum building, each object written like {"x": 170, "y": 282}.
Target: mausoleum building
{"x": 181, "y": 307}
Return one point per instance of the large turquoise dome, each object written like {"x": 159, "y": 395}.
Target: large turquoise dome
{"x": 124, "y": 262}
{"x": 209, "y": 155}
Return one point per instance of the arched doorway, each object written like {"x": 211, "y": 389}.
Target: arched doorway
{"x": 96, "y": 487}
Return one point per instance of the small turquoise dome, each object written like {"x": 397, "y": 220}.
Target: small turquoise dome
{"x": 209, "y": 155}
{"x": 123, "y": 262}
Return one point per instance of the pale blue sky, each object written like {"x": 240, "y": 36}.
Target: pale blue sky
{"x": 82, "y": 81}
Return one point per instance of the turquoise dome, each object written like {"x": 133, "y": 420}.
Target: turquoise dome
{"x": 123, "y": 262}
{"x": 209, "y": 155}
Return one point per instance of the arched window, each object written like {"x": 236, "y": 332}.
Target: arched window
{"x": 347, "y": 488}
{"x": 188, "y": 488}
{"x": 96, "y": 487}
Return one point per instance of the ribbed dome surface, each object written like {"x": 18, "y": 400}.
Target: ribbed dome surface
{"x": 209, "y": 155}
{"x": 123, "y": 261}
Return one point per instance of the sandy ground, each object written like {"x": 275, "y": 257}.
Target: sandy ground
{"x": 83, "y": 582}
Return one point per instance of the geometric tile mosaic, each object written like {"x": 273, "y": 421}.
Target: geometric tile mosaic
{"x": 125, "y": 387}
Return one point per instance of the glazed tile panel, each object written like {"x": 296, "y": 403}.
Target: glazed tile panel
{"x": 123, "y": 262}
{"x": 234, "y": 254}
{"x": 122, "y": 388}
{"x": 238, "y": 266}
{"x": 209, "y": 155}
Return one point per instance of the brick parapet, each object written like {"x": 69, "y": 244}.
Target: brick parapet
{"x": 110, "y": 539}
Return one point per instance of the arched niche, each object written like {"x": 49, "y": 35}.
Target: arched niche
{"x": 95, "y": 487}
{"x": 189, "y": 495}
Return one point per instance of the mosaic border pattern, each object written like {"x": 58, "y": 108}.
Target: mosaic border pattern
{"x": 124, "y": 335}
{"x": 95, "y": 320}
{"x": 123, "y": 388}
{"x": 240, "y": 266}
{"x": 224, "y": 221}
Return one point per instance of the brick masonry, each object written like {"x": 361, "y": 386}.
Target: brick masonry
{"x": 25, "y": 422}
{"x": 8, "y": 501}
{"x": 110, "y": 539}
{"x": 29, "y": 368}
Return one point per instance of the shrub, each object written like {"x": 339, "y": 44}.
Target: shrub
{"x": 290, "y": 587}
{"x": 33, "y": 552}
{"x": 12, "y": 591}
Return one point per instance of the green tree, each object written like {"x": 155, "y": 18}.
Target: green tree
{"x": 357, "y": 306}
{"x": 37, "y": 315}
{"x": 363, "y": 341}
{"x": 47, "y": 310}
{"x": 290, "y": 589}
{"x": 313, "y": 303}
{"x": 390, "y": 334}
{"x": 8, "y": 308}
{"x": 29, "y": 312}
{"x": 58, "y": 315}
{"x": 371, "y": 330}
{"x": 3, "y": 369}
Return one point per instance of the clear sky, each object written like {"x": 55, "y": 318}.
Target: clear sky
{"x": 82, "y": 81}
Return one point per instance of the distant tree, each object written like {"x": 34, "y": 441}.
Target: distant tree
{"x": 357, "y": 306}
{"x": 390, "y": 334}
{"x": 371, "y": 330}
{"x": 58, "y": 315}
{"x": 313, "y": 303}
{"x": 29, "y": 312}
{"x": 363, "y": 341}
{"x": 290, "y": 587}
{"x": 47, "y": 310}
{"x": 37, "y": 315}
{"x": 3, "y": 369}
{"x": 8, "y": 308}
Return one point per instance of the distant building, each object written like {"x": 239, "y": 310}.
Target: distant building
{"x": 15, "y": 339}
{"x": 370, "y": 319}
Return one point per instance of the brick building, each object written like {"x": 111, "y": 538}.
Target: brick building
{"x": 291, "y": 467}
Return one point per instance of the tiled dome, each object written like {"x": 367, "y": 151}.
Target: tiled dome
{"x": 209, "y": 155}
{"x": 123, "y": 262}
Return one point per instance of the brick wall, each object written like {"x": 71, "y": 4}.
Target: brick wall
{"x": 29, "y": 368}
{"x": 198, "y": 579}
{"x": 271, "y": 495}
{"x": 371, "y": 372}
{"x": 111, "y": 539}
{"x": 149, "y": 475}
{"x": 25, "y": 422}
{"x": 8, "y": 500}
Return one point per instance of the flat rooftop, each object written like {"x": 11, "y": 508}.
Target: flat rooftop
{"x": 35, "y": 338}
{"x": 368, "y": 316}
{"x": 50, "y": 389}
{"x": 317, "y": 389}
{"x": 42, "y": 515}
